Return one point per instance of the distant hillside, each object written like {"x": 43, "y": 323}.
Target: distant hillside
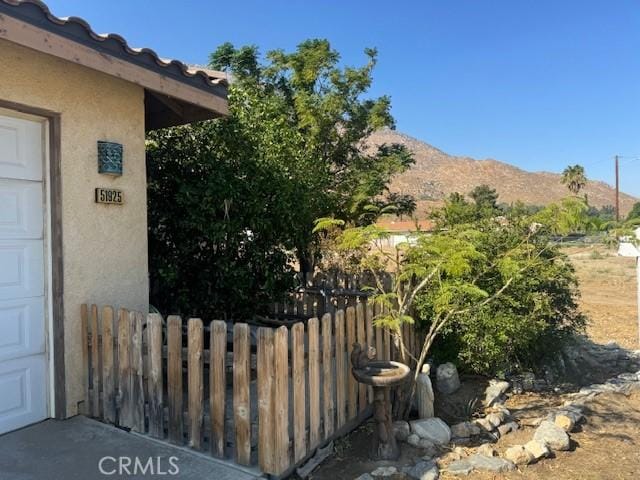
{"x": 437, "y": 174}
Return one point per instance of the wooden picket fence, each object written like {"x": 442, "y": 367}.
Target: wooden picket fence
{"x": 253, "y": 395}
{"x": 314, "y": 302}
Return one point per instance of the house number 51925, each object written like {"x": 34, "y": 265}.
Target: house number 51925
{"x": 109, "y": 195}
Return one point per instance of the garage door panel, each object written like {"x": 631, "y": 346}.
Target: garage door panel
{"x": 22, "y": 327}
{"x": 20, "y": 209}
{"x": 23, "y": 358}
{"x": 20, "y": 149}
{"x": 23, "y": 398}
{"x": 21, "y": 275}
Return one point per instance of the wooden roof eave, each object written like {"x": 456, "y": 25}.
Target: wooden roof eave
{"x": 197, "y": 103}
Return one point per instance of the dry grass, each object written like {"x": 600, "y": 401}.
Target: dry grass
{"x": 608, "y": 288}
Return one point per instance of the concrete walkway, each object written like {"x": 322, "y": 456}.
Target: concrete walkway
{"x": 78, "y": 448}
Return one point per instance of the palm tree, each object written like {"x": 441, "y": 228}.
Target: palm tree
{"x": 573, "y": 177}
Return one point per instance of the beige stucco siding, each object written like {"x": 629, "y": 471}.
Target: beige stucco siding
{"x": 105, "y": 247}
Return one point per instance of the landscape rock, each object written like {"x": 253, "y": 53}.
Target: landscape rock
{"x": 484, "y": 424}
{"x": 480, "y": 462}
{"x": 460, "y": 467}
{"x": 423, "y": 470}
{"x": 628, "y": 377}
{"x": 552, "y": 436}
{"x": 495, "y": 418}
{"x": 432, "y": 429}
{"x": 429, "y": 450}
{"x": 501, "y": 409}
{"x": 427, "y": 445}
{"x": 531, "y": 421}
{"x": 447, "y": 379}
{"x": 537, "y": 449}
{"x": 401, "y": 430}
{"x": 415, "y": 441}
{"x": 384, "y": 471}
{"x": 494, "y": 392}
{"x": 456, "y": 454}
{"x": 486, "y": 449}
{"x": 567, "y": 419}
{"x": 424, "y": 394}
{"x": 508, "y": 427}
{"x": 491, "y": 464}
{"x": 519, "y": 455}
{"x": 364, "y": 476}
{"x": 465, "y": 430}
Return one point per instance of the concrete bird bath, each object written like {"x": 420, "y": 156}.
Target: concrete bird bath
{"x": 382, "y": 375}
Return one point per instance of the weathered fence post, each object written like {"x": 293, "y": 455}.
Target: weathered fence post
{"x": 137, "y": 392}
{"x": 108, "y": 374}
{"x": 341, "y": 370}
{"x": 352, "y": 397}
{"x": 156, "y": 403}
{"x": 84, "y": 333}
{"x": 195, "y": 386}
{"x": 314, "y": 383}
{"x": 241, "y": 405}
{"x": 362, "y": 340}
{"x": 217, "y": 385}
{"x": 96, "y": 374}
{"x": 125, "y": 374}
{"x": 266, "y": 412}
{"x": 327, "y": 384}
{"x": 298, "y": 386}
{"x": 371, "y": 342}
{"x": 281, "y": 398}
{"x": 174, "y": 378}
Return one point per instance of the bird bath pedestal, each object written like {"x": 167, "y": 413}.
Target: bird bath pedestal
{"x": 382, "y": 375}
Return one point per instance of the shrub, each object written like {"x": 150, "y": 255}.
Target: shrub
{"x": 527, "y": 321}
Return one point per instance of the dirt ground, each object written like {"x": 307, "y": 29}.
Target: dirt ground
{"x": 608, "y": 288}
{"x": 606, "y": 447}
{"x": 603, "y": 448}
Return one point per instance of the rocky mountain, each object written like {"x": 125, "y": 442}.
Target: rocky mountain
{"x": 436, "y": 174}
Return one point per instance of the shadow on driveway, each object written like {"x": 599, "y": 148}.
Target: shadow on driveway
{"x": 78, "y": 448}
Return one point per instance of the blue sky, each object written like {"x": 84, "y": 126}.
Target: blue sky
{"x": 540, "y": 84}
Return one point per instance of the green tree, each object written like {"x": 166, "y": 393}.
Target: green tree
{"x": 485, "y": 197}
{"x": 456, "y": 210}
{"x": 570, "y": 215}
{"x": 635, "y": 211}
{"x": 221, "y": 226}
{"x": 503, "y": 290}
{"x": 232, "y": 201}
{"x": 329, "y": 110}
{"x": 574, "y": 178}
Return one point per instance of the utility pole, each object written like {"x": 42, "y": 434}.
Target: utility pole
{"x": 617, "y": 190}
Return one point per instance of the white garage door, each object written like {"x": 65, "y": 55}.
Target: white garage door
{"x": 23, "y": 363}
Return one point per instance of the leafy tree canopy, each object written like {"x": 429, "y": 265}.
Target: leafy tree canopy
{"x": 497, "y": 289}
{"x": 328, "y": 107}
{"x": 635, "y": 211}
{"x": 457, "y": 210}
{"x": 485, "y": 197}
{"x": 574, "y": 178}
{"x": 233, "y": 200}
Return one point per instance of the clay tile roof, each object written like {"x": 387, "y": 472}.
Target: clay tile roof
{"x": 77, "y": 29}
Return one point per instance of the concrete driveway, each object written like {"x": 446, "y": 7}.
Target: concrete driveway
{"x": 83, "y": 449}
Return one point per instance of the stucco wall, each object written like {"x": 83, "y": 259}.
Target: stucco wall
{"x": 105, "y": 247}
